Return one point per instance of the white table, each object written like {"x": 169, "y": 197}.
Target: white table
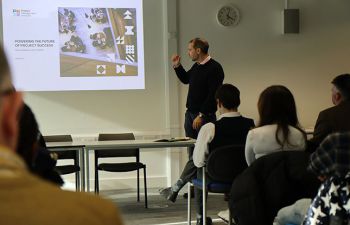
{"x": 86, "y": 146}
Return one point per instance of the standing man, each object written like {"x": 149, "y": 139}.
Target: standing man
{"x": 204, "y": 78}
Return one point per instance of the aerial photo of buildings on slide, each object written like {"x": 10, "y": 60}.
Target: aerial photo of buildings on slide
{"x": 97, "y": 42}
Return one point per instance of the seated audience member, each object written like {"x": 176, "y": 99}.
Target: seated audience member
{"x": 278, "y": 128}
{"x": 331, "y": 162}
{"x": 270, "y": 183}
{"x": 334, "y": 119}
{"x": 26, "y": 199}
{"x": 36, "y": 156}
{"x": 231, "y": 128}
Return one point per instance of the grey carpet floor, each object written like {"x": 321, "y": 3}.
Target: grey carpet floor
{"x": 160, "y": 211}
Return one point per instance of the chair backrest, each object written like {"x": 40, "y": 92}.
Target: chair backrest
{"x": 58, "y": 138}
{"x": 225, "y": 163}
{"x": 70, "y": 154}
{"x": 117, "y": 152}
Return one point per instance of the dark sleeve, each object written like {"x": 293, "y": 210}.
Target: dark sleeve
{"x": 215, "y": 79}
{"x": 182, "y": 74}
{"x": 322, "y": 129}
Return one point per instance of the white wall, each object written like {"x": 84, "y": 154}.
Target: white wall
{"x": 256, "y": 54}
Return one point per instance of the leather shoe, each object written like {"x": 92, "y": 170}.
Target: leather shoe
{"x": 168, "y": 194}
{"x": 208, "y": 221}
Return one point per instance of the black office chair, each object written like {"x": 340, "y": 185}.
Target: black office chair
{"x": 120, "y": 167}
{"x": 66, "y": 154}
{"x": 222, "y": 166}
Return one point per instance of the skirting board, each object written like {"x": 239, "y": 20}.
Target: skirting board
{"x": 125, "y": 183}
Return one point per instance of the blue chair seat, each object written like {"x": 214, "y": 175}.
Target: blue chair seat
{"x": 215, "y": 187}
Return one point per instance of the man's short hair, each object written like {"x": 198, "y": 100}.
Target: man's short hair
{"x": 4, "y": 66}
{"x": 342, "y": 83}
{"x": 200, "y": 43}
{"x": 228, "y": 95}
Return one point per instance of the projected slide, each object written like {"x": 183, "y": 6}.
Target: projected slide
{"x": 74, "y": 44}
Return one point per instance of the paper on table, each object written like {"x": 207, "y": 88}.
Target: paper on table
{"x": 173, "y": 139}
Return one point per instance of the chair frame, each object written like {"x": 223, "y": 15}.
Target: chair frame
{"x": 120, "y": 136}
{"x": 66, "y": 138}
{"x": 212, "y": 174}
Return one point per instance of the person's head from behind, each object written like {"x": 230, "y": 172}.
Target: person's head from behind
{"x": 341, "y": 88}
{"x": 227, "y": 98}
{"x": 197, "y": 49}
{"x": 10, "y": 106}
{"x": 276, "y": 105}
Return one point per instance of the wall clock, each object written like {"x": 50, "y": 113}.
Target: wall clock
{"x": 228, "y": 15}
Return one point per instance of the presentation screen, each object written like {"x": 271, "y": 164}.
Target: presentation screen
{"x": 55, "y": 45}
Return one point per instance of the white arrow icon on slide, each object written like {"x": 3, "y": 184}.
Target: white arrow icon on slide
{"x": 128, "y": 15}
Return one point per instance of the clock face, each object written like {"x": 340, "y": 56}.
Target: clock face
{"x": 228, "y": 16}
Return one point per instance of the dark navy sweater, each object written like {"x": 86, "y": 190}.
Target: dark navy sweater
{"x": 203, "y": 82}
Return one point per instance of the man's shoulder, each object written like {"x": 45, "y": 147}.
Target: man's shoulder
{"x": 239, "y": 120}
{"x": 248, "y": 120}
{"x": 335, "y": 110}
{"x": 56, "y": 206}
{"x": 91, "y": 206}
{"x": 214, "y": 63}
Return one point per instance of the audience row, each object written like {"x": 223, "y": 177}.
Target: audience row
{"x": 278, "y": 130}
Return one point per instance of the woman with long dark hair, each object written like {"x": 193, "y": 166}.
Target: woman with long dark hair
{"x": 278, "y": 128}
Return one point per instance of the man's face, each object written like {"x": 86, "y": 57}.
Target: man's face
{"x": 336, "y": 97}
{"x": 192, "y": 52}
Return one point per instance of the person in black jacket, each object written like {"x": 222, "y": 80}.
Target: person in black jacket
{"x": 334, "y": 119}
{"x": 269, "y": 184}
{"x": 31, "y": 147}
{"x": 331, "y": 163}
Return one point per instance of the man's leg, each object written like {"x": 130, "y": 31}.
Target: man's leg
{"x": 188, "y": 173}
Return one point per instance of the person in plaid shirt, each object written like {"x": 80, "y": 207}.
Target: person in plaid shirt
{"x": 331, "y": 162}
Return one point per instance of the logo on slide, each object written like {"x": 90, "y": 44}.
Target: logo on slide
{"x": 100, "y": 69}
{"x": 23, "y": 12}
{"x": 16, "y": 12}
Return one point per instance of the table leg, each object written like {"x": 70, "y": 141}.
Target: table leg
{"x": 82, "y": 169}
{"x": 87, "y": 169}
